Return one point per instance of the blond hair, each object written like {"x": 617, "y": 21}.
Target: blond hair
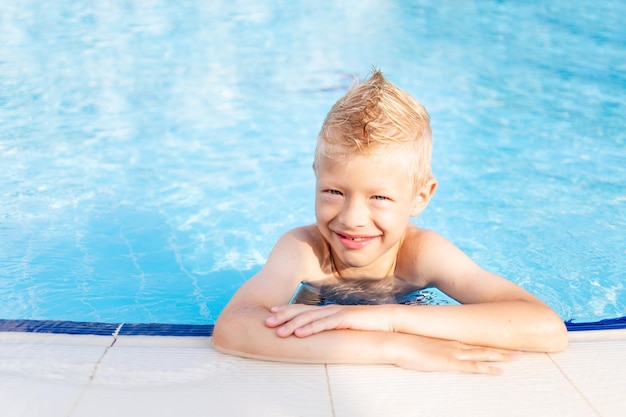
{"x": 376, "y": 116}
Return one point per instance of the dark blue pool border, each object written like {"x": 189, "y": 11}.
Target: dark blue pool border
{"x": 191, "y": 330}
{"x": 105, "y": 329}
{"x": 607, "y": 324}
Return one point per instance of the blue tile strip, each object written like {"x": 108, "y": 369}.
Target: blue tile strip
{"x": 608, "y": 324}
{"x": 157, "y": 329}
{"x": 105, "y": 329}
{"x": 160, "y": 329}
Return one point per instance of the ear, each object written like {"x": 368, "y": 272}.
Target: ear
{"x": 422, "y": 197}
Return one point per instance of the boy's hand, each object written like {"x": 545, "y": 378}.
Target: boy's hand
{"x": 420, "y": 353}
{"x": 414, "y": 352}
{"x": 304, "y": 320}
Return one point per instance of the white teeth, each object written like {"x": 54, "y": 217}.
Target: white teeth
{"x": 355, "y": 239}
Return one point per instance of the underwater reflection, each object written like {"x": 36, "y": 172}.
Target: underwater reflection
{"x": 366, "y": 292}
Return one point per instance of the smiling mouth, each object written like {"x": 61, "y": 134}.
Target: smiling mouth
{"x": 355, "y": 240}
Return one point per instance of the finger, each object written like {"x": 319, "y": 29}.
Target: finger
{"x": 486, "y": 355}
{"x": 291, "y": 310}
{"x": 283, "y": 314}
{"x": 476, "y": 367}
{"x": 288, "y": 318}
{"x": 450, "y": 364}
{"x": 509, "y": 352}
{"x": 310, "y": 322}
{"x": 466, "y": 366}
{"x": 317, "y": 326}
{"x": 498, "y": 354}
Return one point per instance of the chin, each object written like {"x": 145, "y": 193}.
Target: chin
{"x": 354, "y": 260}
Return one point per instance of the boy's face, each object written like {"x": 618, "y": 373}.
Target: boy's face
{"x": 362, "y": 205}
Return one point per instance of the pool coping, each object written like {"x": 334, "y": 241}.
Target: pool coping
{"x": 97, "y": 369}
{"x": 195, "y": 330}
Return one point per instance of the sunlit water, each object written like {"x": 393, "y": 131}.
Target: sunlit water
{"x": 151, "y": 153}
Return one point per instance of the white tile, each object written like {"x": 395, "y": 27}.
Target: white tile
{"x": 44, "y": 374}
{"x": 137, "y": 379}
{"x": 598, "y": 370}
{"x": 31, "y": 397}
{"x": 530, "y": 386}
{"x": 163, "y": 341}
{"x": 597, "y": 335}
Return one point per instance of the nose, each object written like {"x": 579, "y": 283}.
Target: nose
{"x": 354, "y": 213}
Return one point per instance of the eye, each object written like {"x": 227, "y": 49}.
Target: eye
{"x": 380, "y": 198}
{"x": 334, "y": 192}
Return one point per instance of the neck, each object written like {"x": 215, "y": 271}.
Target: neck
{"x": 385, "y": 267}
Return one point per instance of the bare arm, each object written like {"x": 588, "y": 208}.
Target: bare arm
{"x": 242, "y": 327}
{"x": 496, "y": 313}
{"x": 353, "y": 346}
{"x": 514, "y": 325}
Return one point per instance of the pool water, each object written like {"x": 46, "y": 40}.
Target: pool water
{"x": 152, "y": 153}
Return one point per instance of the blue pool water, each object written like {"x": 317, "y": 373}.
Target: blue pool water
{"x": 152, "y": 153}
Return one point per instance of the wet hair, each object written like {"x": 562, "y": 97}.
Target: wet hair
{"x": 376, "y": 117}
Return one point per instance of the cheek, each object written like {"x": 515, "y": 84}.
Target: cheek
{"x": 322, "y": 209}
{"x": 327, "y": 205}
{"x": 393, "y": 220}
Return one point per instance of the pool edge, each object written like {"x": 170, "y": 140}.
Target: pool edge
{"x": 190, "y": 330}
{"x": 105, "y": 329}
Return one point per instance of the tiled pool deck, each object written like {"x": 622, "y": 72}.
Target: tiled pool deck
{"x": 43, "y": 374}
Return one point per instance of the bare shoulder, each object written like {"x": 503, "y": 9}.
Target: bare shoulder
{"x": 307, "y": 235}
{"x": 418, "y": 241}
{"x": 436, "y": 261}
{"x": 416, "y": 235}
{"x": 294, "y": 258}
{"x": 429, "y": 258}
{"x": 303, "y": 244}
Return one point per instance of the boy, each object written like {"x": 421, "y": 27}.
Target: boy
{"x": 372, "y": 168}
